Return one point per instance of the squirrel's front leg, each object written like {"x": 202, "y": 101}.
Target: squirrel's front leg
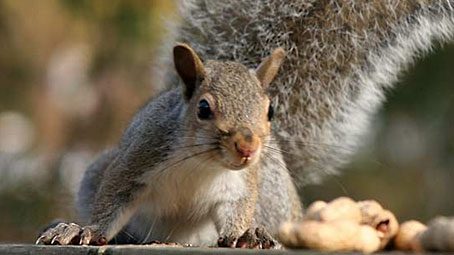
{"x": 238, "y": 230}
{"x": 115, "y": 202}
{"x": 235, "y": 220}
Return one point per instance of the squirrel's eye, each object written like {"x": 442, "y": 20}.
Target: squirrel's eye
{"x": 270, "y": 112}
{"x": 204, "y": 111}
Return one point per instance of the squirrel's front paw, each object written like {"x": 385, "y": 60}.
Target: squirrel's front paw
{"x": 65, "y": 234}
{"x": 253, "y": 238}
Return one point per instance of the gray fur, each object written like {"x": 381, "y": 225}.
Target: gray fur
{"x": 112, "y": 183}
{"x": 341, "y": 58}
{"x": 156, "y": 186}
{"x": 89, "y": 184}
{"x": 278, "y": 199}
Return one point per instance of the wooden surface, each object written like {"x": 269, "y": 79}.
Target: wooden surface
{"x": 14, "y": 249}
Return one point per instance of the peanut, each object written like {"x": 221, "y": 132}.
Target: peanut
{"x": 407, "y": 238}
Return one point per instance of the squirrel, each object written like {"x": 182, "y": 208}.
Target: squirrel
{"x": 341, "y": 57}
{"x": 197, "y": 165}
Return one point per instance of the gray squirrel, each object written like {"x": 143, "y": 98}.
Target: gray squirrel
{"x": 197, "y": 165}
{"x": 164, "y": 182}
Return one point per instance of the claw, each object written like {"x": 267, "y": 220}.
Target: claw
{"x": 53, "y": 240}
{"x": 265, "y": 239}
{"x": 253, "y": 238}
{"x": 64, "y": 234}
{"x": 227, "y": 241}
{"x": 38, "y": 241}
{"x": 248, "y": 240}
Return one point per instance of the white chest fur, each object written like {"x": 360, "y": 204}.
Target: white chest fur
{"x": 182, "y": 199}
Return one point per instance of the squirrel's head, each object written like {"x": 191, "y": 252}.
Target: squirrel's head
{"x": 229, "y": 110}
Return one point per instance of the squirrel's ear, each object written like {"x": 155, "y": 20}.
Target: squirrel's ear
{"x": 189, "y": 67}
{"x": 267, "y": 70}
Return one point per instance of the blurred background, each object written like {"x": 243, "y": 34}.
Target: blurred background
{"x": 73, "y": 72}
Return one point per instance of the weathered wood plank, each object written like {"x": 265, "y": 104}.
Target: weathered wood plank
{"x": 142, "y": 250}
{"x": 29, "y": 249}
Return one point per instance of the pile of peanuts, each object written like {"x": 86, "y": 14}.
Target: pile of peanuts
{"x": 364, "y": 226}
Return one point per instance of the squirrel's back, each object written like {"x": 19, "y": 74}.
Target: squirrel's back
{"x": 342, "y": 55}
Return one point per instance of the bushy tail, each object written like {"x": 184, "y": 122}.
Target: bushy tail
{"x": 342, "y": 55}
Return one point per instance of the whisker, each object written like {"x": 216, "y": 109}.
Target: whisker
{"x": 129, "y": 235}
{"x": 195, "y": 145}
{"x": 187, "y": 157}
{"x": 277, "y": 149}
{"x": 341, "y": 186}
{"x": 170, "y": 233}
{"x": 269, "y": 154}
{"x": 215, "y": 142}
{"x": 196, "y": 166}
{"x": 277, "y": 161}
{"x": 314, "y": 144}
{"x": 150, "y": 230}
{"x": 200, "y": 137}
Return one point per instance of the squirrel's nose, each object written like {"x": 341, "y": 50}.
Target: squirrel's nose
{"x": 246, "y": 143}
{"x": 245, "y": 150}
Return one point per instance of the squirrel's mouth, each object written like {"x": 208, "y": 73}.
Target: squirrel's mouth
{"x": 239, "y": 152}
{"x": 234, "y": 162}
{"x": 235, "y": 166}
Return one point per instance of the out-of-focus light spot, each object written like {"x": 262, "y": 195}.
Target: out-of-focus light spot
{"x": 405, "y": 142}
{"x": 16, "y": 133}
{"x": 73, "y": 165}
{"x": 68, "y": 81}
